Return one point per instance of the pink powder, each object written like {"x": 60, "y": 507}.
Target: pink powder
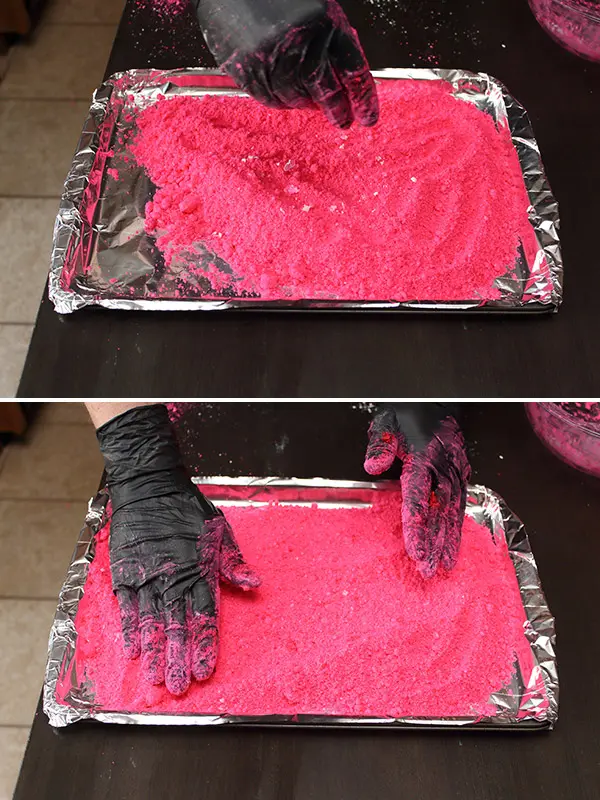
{"x": 575, "y": 24}
{"x": 571, "y": 431}
{"x": 177, "y": 410}
{"x": 429, "y": 204}
{"x": 164, "y": 8}
{"x": 343, "y": 624}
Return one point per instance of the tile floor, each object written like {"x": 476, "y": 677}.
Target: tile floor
{"x": 44, "y": 97}
{"x": 45, "y": 483}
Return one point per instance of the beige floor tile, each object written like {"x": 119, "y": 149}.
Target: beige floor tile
{"x": 14, "y": 341}
{"x": 24, "y": 629}
{"x": 59, "y": 61}
{"x": 37, "y": 539}
{"x": 62, "y": 462}
{"x": 84, "y": 11}
{"x": 37, "y": 141}
{"x": 26, "y": 227}
{"x": 66, "y": 413}
{"x": 13, "y": 742}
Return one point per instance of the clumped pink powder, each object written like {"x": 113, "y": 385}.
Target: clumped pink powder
{"x": 429, "y": 204}
{"x": 343, "y": 624}
{"x": 177, "y": 410}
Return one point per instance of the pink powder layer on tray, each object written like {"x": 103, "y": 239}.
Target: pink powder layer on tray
{"x": 343, "y": 624}
{"x": 430, "y": 204}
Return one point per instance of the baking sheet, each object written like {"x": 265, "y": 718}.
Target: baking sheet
{"x": 67, "y": 697}
{"x": 100, "y": 242}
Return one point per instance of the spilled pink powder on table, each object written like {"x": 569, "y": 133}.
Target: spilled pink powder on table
{"x": 163, "y": 8}
{"x": 343, "y": 624}
{"x": 429, "y": 204}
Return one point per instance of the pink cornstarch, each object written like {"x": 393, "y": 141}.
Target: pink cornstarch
{"x": 164, "y": 8}
{"x": 343, "y": 624}
{"x": 429, "y": 204}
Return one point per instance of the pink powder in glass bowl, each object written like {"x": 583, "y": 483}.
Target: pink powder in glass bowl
{"x": 571, "y": 431}
{"x": 430, "y": 204}
{"x": 575, "y": 24}
{"x": 343, "y": 624}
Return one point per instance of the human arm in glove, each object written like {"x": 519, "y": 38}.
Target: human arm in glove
{"x": 427, "y": 438}
{"x": 169, "y": 548}
{"x": 292, "y": 54}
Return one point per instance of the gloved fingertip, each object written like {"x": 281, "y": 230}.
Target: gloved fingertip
{"x": 177, "y": 682}
{"x": 449, "y": 559}
{"x": 417, "y": 548}
{"x": 241, "y": 575}
{"x": 202, "y": 670}
{"x": 341, "y": 119}
{"x": 450, "y": 552}
{"x": 369, "y": 120}
{"x": 377, "y": 464}
{"x": 246, "y": 578}
{"x": 427, "y": 569}
{"x": 205, "y": 650}
{"x": 153, "y": 651}
{"x": 153, "y": 668}
{"x": 132, "y": 647}
{"x": 416, "y": 552}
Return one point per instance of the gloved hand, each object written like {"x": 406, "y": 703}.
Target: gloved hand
{"x": 435, "y": 472}
{"x": 169, "y": 547}
{"x": 291, "y": 54}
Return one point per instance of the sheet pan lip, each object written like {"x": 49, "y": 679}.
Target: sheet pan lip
{"x": 543, "y": 213}
{"x": 63, "y": 635}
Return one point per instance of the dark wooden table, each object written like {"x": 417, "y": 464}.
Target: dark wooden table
{"x": 96, "y": 353}
{"x": 561, "y": 509}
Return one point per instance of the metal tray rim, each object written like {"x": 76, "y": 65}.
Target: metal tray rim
{"x": 499, "y": 518}
{"x": 543, "y": 212}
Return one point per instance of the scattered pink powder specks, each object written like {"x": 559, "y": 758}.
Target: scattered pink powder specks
{"x": 164, "y": 8}
{"x": 177, "y": 410}
{"x": 343, "y": 624}
{"x": 428, "y": 205}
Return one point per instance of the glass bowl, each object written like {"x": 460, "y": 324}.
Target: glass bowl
{"x": 575, "y": 24}
{"x": 571, "y": 431}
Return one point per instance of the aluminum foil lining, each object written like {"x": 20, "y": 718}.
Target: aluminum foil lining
{"x": 521, "y": 705}
{"x": 101, "y": 254}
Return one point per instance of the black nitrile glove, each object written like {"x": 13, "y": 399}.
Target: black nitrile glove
{"x": 435, "y": 473}
{"x": 292, "y": 54}
{"x": 169, "y": 546}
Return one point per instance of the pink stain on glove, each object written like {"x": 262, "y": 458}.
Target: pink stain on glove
{"x": 342, "y": 624}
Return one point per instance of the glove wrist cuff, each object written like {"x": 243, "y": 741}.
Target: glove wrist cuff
{"x": 138, "y": 446}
